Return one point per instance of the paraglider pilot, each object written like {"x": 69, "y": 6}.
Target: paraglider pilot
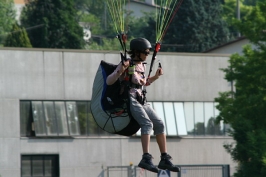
{"x": 140, "y": 110}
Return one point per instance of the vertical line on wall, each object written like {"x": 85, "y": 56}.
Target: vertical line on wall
{"x": 63, "y": 74}
{"x": 43, "y": 60}
{"x": 175, "y": 118}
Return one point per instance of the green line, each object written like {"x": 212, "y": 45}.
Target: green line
{"x": 163, "y": 17}
{"x": 116, "y": 9}
{"x": 169, "y": 16}
{"x": 110, "y": 7}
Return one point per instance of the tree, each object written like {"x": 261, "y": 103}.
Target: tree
{"x": 91, "y": 6}
{"x": 18, "y": 37}
{"x": 252, "y": 2}
{"x": 230, "y": 14}
{"x": 213, "y": 128}
{"x": 245, "y": 107}
{"x": 7, "y": 18}
{"x": 52, "y": 24}
{"x": 197, "y": 26}
{"x": 211, "y": 33}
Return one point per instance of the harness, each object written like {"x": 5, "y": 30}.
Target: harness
{"x": 128, "y": 84}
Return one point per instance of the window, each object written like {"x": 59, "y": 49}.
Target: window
{"x": 74, "y": 118}
{"x": 40, "y": 165}
{"x": 189, "y": 118}
{"x": 57, "y": 119}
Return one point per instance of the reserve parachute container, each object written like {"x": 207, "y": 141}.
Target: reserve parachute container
{"x": 109, "y": 108}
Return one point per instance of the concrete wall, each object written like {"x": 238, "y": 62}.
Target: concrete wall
{"x": 233, "y": 47}
{"x": 68, "y": 75}
{"x": 58, "y": 74}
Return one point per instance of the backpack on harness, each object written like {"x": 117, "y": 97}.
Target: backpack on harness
{"x": 109, "y": 108}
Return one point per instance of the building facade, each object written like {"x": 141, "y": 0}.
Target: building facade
{"x": 47, "y": 128}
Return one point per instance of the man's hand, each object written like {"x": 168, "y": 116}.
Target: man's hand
{"x": 158, "y": 73}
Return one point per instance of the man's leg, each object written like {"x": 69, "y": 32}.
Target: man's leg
{"x": 165, "y": 162}
{"x": 145, "y": 141}
{"x": 161, "y": 140}
{"x": 146, "y": 161}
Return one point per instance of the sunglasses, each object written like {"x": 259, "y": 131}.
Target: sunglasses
{"x": 145, "y": 52}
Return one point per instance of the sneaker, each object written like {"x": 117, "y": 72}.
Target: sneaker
{"x": 165, "y": 163}
{"x": 147, "y": 164}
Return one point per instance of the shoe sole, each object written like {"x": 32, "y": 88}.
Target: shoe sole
{"x": 164, "y": 167}
{"x": 144, "y": 166}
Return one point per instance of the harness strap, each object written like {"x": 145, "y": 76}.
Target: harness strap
{"x": 137, "y": 86}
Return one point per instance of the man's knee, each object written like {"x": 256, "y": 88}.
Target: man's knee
{"x": 146, "y": 128}
{"x": 159, "y": 128}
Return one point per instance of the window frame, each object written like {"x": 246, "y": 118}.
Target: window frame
{"x": 167, "y": 110}
{"x": 95, "y": 131}
{"x": 55, "y": 161}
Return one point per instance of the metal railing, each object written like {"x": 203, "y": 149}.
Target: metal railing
{"x": 204, "y": 171}
{"x": 186, "y": 171}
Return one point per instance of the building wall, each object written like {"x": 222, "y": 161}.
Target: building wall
{"x": 41, "y": 74}
{"x": 234, "y": 47}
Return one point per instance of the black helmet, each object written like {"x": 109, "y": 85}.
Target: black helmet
{"x": 140, "y": 44}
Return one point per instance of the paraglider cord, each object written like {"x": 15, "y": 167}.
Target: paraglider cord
{"x": 122, "y": 39}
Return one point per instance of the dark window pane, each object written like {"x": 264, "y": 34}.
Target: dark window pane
{"x": 25, "y": 118}
{"x": 83, "y": 117}
{"x": 72, "y": 118}
{"x": 93, "y": 128}
{"x": 37, "y": 166}
{"x": 25, "y": 166}
{"x": 40, "y": 166}
{"x": 48, "y": 165}
{"x": 189, "y": 115}
{"x": 221, "y": 125}
{"x": 51, "y": 166}
{"x": 60, "y": 111}
{"x": 38, "y": 117}
{"x": 50, "y": 120}
{"x": 209, "y": 118}
{"x": 199, "y": 118}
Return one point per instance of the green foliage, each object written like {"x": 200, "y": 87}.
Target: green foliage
{"x": 254, "y": 27}
{"x": 7, "y": 18}
{"x": 230, "y": 14}
{"x": 91, "y": 6}
{"x": 252, "y": 2}
{"x": 245, "y": 108}
{"x": 53, "y": 24}
{"x": 197, "y": 26}
{"x": 107, "y": 44}
{"x": 142, "y": 27}
{"x": 17, "y": 38}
